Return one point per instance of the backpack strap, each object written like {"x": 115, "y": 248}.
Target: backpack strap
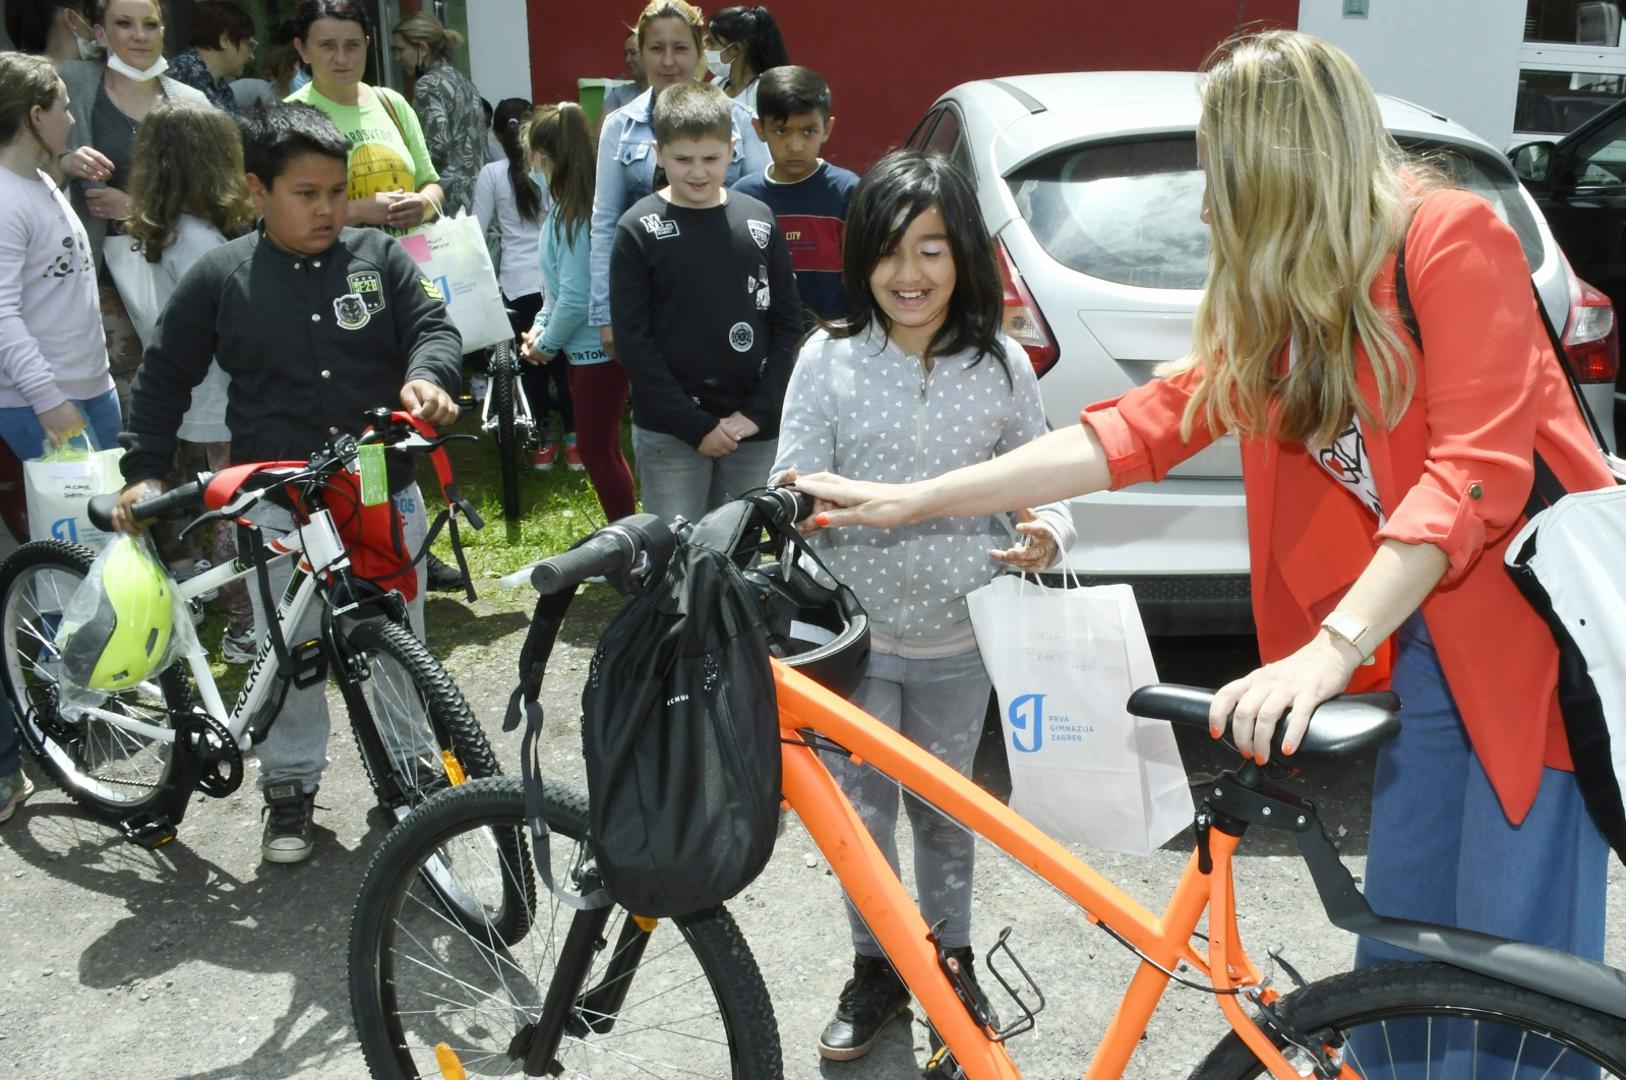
{"x": 1546, "y": 489}
{"x": 526, "y": 700}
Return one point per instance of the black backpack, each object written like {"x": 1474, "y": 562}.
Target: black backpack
{"x": 680, "y": 733}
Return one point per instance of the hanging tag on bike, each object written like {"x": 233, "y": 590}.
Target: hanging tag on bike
{"x": 375, "y": 484}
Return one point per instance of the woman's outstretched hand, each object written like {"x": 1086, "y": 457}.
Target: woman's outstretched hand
{"x": 859, "y": 502}
{"x": 1038, "y": 549}
{"x": 1289, "y": 689}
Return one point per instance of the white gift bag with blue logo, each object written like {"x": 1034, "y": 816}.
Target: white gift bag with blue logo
{"x": 1063, "y": 663}
{"x": 451, "y": 254}
{"x": 58, "y": 488}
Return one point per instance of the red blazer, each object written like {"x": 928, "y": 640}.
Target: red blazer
{"x": 1454, "y": 472}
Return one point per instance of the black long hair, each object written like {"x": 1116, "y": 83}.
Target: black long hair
{"x": 754, "y": 28}
{"x": 897, "y": 189}
{"x": 508, "y": 121}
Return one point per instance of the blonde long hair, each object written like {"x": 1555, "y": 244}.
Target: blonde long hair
{"x": 1305, "y": 201}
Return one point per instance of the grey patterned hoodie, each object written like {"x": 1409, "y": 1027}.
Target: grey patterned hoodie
{"x": 863, "y": 408}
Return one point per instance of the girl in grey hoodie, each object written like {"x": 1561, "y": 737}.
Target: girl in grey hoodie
{"x": 918, "y": 382}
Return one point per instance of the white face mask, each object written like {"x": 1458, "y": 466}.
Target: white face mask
{"x": 88, "y": 47}
{"x": 157, "y": 68}
{"x": 719, "y": 68}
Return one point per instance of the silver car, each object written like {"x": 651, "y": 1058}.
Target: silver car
{"x": 1089, "y": 184}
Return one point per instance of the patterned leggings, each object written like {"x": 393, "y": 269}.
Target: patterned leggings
{"x": 940, "y": 705}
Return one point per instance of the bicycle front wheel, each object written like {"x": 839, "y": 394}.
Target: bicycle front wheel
{"x": 1433, "y": 1020}
{"x": 504, "y": 404}
{"x": 110, "y": 769}
{"x": 671, "y": 998}
{"x": 430, "y": 742}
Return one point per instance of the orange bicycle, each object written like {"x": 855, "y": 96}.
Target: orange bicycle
{"x": 609, "y": 993}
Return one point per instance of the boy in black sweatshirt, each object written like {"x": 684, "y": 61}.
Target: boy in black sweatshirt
{"x": 315, "y": 324}
{"x": 706, "y": 316}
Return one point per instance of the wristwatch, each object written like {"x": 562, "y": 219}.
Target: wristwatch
{"x": 1351, "y": 631}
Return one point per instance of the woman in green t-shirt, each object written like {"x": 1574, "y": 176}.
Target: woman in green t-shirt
{"x": 393, "y": 182}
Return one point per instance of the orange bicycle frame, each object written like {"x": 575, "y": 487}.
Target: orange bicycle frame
{"x": 1165, "y": 940}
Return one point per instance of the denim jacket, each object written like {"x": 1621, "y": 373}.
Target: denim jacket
{"x": 626, "y": 173}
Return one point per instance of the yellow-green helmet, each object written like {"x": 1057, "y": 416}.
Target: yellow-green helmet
{"x": 128, "y": 635}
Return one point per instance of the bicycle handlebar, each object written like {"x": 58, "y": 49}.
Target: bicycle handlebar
{"x": 176, "y": 498}
{"x": 614, "y": 549}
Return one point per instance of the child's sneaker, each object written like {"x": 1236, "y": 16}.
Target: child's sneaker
{"x": 477, "y": 388}
{"x": 239, "y": 648}
{"x": 546, "y": 455}
{"x": 573, "y": 456}
{"x": 288, "y": 837}
{"x": 13, "y": 790}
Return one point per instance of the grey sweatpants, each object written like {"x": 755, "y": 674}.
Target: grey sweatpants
{"x": 296, "y": 747}
{"x": 940, "y": 705}
{"x": 676, "y": 479}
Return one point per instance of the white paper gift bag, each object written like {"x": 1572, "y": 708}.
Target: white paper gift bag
{"x": 451, "y": 253}
{"x": 1063, "y": 663}
{"x": 58, "y": 489}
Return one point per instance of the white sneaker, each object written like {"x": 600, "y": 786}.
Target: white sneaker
{"x": 477, "y": 387}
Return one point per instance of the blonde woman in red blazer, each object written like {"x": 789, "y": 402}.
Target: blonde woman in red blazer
{"x": 1383, "y": 484}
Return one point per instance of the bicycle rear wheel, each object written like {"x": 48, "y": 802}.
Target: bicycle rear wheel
{"x": 693, "y": 1004}
{"x": 1424, "y": 1019}
{"x": 510, "y": 432}
{"x": 431, "y": 742}
{"x": 108, "y": 769}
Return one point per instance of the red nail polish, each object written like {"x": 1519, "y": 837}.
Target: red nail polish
{"x": 821, "y": 520}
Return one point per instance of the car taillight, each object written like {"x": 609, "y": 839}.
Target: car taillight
{"x": 1592, "y": 337}
{"x": 1023, "y": 322}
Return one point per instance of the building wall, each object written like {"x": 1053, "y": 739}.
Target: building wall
{"x": 1457, "y": 57}
{"x": 887, "y": 60}
{"x": 500, "y": 49}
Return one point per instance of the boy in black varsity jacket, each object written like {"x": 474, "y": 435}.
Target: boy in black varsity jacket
{"x": 315, "y": 324}
{"x": 706, "y": 316}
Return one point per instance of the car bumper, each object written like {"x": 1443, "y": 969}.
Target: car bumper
{"x": 1181, "y": 544}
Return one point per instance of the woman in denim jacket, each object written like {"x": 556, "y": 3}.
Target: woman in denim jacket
{"x": 669, "y": 35}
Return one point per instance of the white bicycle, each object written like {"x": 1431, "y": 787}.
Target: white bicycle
{"x": 135, "y": 757}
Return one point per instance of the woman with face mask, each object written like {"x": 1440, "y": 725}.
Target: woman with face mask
{"x": 447, "y": 103}
{"x": 109, "y": 98}
{"x": 742, "y": 43}
{"x": 57, "y": 29}
{"x": 669, "y": 36}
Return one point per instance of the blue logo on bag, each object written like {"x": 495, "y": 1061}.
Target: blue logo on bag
{"x": 1026, "y": 713}
{"x": 65, "y": 529}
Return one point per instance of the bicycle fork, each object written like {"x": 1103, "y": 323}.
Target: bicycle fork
{"x": 568, "y": 1009}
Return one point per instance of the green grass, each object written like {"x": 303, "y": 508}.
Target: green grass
{"x": 558, "y": 506}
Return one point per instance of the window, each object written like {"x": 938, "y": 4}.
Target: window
{"x": 1572, "y": 65}
{"x": 1127, "y": 212}
{"x": 1600, "y": 161}
{"x": 1573, "y": 22}
{"x": 946, "y": 138}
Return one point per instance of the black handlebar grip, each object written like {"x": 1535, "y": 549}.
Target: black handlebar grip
{"x": 785, "y": 506}
{"x": 608, "y": 551}
{"x": 176, "y": 498}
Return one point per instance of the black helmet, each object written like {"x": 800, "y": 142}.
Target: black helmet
{"x": 815, "y": 623}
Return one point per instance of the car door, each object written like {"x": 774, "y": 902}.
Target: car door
{"x": 1585, "y": 204}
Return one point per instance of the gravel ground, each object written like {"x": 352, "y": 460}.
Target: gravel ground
{"x": 198, "y": 961}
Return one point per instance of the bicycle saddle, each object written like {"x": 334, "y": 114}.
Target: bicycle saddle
{"x": 1346, "y": 725}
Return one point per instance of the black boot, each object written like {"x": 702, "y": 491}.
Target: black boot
{"x": 872, "y": 999}
{"x": 443, "y": 577}
{"x": 947, "y": 1068}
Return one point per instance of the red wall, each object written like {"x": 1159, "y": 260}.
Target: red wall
{"x": 887, "y": 60}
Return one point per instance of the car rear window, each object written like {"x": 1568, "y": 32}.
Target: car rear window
{"x": 1126, "y": 212}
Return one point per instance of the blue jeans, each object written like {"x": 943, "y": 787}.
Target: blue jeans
{"x": 1442, "y": 851}
{"x": 20, "y": 427}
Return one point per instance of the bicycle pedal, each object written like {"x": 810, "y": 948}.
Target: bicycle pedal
{"x": 151, "y": 831}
